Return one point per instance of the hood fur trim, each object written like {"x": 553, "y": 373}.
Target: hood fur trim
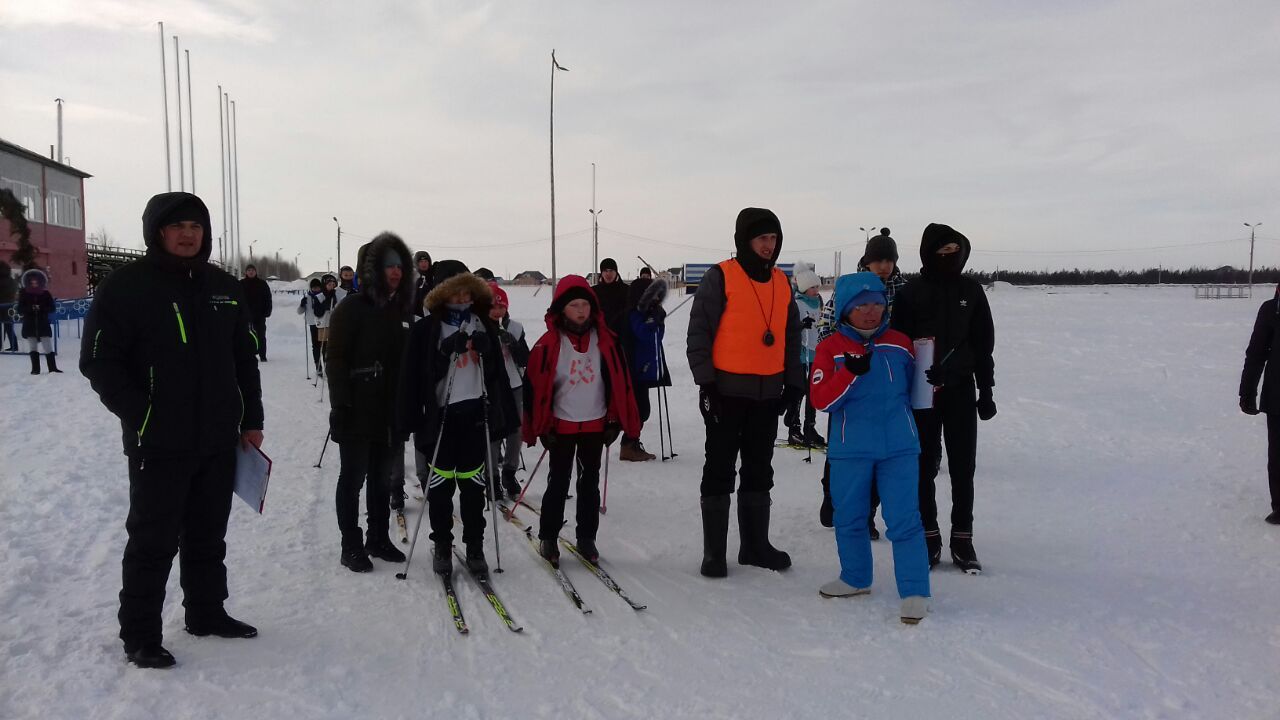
{"x": 373, "y": 283}
{"x": 481, "y": 297}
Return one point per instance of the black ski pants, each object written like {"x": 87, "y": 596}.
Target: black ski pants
{"x": 260, "y": 329}
{"x": 585, "y": 448}
{"x": 363, "y": 463}
{"x": 315, "y": 346}
{"x": 1273, "y": 458}
{"x": 739, "y": 426}
{"x": 460, "y": 463}
{"x": 953, "y": 419}
{"x": 176, "y": 506}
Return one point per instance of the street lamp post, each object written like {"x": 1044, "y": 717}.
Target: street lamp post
{"x": 1253, "y": 227}
{"x": 335, "y": 220}
{"x": 595, "y": 224}
{"x": 867, "y": 230}
{"x": 554, "y": 67}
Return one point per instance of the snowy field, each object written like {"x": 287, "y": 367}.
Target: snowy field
{"x": 1120, "y": 496}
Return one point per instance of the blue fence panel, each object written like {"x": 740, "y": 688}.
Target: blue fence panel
{"x": 693, "y": 273}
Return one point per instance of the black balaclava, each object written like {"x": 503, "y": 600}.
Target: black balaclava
{"x": 937, "y": 266}
{"x": 753, "y": 222}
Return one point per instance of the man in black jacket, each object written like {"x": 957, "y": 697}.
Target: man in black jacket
{"x": 257, "y": 293}
{"x": 169, "y": 350}
{"x": 424, "y": 283}
{"x": 366, "y": 338}
{"x": 1261, "y": 363}
{"x": 611, "y": 291}
{"x": 944, "y": 305}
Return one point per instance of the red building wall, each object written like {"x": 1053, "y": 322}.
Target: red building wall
{"x": 60, "y": 252}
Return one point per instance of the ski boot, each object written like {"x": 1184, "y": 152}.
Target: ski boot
{"x": 549, "y": 551}
{"x": 933, "y": 542}
{"x": 588, "y": 550}
{"x": 509, "y": 483}
{"x": 963, "y": 554}
{"x": 475, "y": 560}
{"x": 813, "y": 439}
{"x": 795, "y": 437}
{"x": 442, "y": 558}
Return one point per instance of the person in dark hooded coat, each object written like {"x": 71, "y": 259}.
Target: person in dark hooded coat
{"x": 1262, "y": 364}
{"x": 167, "y": 347}
{"x": 36, "y": 308}
{"x": 258, "y": 294}
{"x": 612, "y": 293}
{"x": 744, "y": 350}
{"x": 366, "y": 339}
{"x": 645, "y": 330}
{"x": 952, "y": 309}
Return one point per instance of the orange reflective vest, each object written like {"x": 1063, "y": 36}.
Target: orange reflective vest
{"x": 751, "y": 308}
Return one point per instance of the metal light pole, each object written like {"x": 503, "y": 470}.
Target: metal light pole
{"x": 182, "y": 163}
{"x": 867, "y": 230}
{"x": 1252, "y": 232}
{"x": 554, "y": 67}
{"x": 595, "y": 224}
{"x": 164, "y": 95}
{"x": 335, "y": 220}
{"x": 191, "y": 123}
{"x": 235, "y": 168}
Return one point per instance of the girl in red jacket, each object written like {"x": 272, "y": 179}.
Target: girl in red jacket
{"x": 578, "y": 400}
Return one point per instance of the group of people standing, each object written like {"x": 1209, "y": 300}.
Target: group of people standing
{"x": 172, "y": 343}
{"x": 749, "y": 356}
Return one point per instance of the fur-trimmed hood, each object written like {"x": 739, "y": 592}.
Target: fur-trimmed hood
{"x": 481, "y": 297}
{"x": 655, "y": 294}
{"x": 373, "y": 283}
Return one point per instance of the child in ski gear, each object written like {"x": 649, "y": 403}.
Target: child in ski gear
{"x": 1261, "y": 363}
{"x": 168, "y": 349}
{"x": 744, "y": 351}
{"x": 423, "y": 284}
{"x": 307, "y": 309}
{"x": 366, "y": 340}
{"x": 325, "y": 304}
{"x": 454, "y": 383}
{"x": 809, "y": 304}
{"x": 515, "y": 358}
{"x": 36, "y": 308}
{"x": 952, "y": 309}
{"x": 646, "y": 328}
{"x": 347, "y": 280}
{"x": 861, "y": 376}
{"x": 578, "y": 400}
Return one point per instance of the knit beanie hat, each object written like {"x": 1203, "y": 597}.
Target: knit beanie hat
{"x": 499, "y": 295}
{"x": 806, "y": 278}
{"x": 880, "y": 247}
{"x": 608, "y": 264}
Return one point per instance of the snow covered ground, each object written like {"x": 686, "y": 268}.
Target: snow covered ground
{"x": 1120, "y": 497}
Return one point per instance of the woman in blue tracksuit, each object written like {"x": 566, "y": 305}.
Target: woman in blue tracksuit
{"x": 862, "y": 376}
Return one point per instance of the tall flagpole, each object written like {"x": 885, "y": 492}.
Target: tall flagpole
{"x": 164, "y": 96}
{"x": 191, "y": 124}
{"x": 177, "y": 75}
{"x": 222, "y": 160}
{"x": 554, "y": 66}
{"x": 235, "y": 171}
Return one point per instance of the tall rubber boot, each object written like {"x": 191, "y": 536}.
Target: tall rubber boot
{"x": 715, "y": 535}
{"x": 35, "y": 362}
{"x": 826, "y": 512}
{"x": 753, "y": 526}
{"x": 53, "y": 366}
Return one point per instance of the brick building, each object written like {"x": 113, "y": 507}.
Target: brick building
{"x": 54, "y": 196}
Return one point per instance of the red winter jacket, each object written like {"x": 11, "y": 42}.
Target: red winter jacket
{"x": 539, "y": 418}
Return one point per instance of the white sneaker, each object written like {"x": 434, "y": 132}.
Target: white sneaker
{"x": 838, "y": 588}
{"x": 914, "y": 608}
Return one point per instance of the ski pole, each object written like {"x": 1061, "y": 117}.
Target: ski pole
{"x": 488, "y": 451}
{"x": 435, "y": 455}
{"x": 662, "y": 441}
{"x": 306, "y": 352}
{"x": 670, "y": 438}
{"x": 324, "y": 447}
{"x": 682, "y": 302}
{"x": 527, "y": 483}
{"x": 604, "y": 499}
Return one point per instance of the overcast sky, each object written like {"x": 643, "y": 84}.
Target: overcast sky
{"x": 1045, "y": 132}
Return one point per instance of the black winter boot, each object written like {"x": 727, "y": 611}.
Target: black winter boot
{"x": 475, "y": 560}
{"x": 589, "y": 551}
{"x": 715, "y": 535}
{"x": 223, "y": 626}
{"x": 549, "y": 551}
{"x": 53, "y": 366}
{"x": 35, "y": 363}
{"x": 151, "y": 655}
{"x": 753, "y": 527}
{"x": 933, "y": 543}
{"x": 383, "y": 549}
{"x": 442, "y": 558}
{"x": 795, "y": 436}
{"x": 356, "y": 560}
{"x": 963, "y": 554}
{"x": 813, "y": 439}
{"x": 510, "y": 484}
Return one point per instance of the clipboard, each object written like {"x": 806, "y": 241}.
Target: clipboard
{"x": 921, "y": 390}
{"x": 253, "y": 472}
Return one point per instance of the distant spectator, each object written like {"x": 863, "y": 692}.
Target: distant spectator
{"x": 36, "y": 308}
{"x": 258, "y": 296}
{"x": 8, "y": 293}
{"x": 307, "y": 308}
{"x": 1260, "y": 363}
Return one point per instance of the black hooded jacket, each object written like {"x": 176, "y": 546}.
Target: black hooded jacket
{"x": 1262, "y": 358}
{"x": 366, "y": 339}
{"x": 951, "y": 309}
{"x": 257, "y": 293}
{"x": 168, "y": 347}
{"x": 613, "y": 303}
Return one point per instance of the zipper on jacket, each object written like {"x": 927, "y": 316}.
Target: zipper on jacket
{"x": 151, "y": 391}
{"x": 889, "y": 368}
{"x": 911, "y": 423}
{"x": 96, "y": 336}
{"x": 182, "y": 326}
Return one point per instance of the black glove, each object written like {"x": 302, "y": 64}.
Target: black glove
{"x": 548, "y": 439}
{"x": 806, "y": 323}
{"x": 1248, "y": 405}
{"x": 506, "y": 338}
{"x": 790, "y": 396}
{"x": 303, "y": 303}
{"x": 480, "y": 342}
{"x": 709, "y": 401}
{"x": 934, "y": 376}
{"x": 455, "y": 344}
{"x": 858, "y": 364}
{"x": 611, "y": 432}
{"x": 986, "y": 406}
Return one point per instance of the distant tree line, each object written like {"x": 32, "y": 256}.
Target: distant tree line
{"x": 268, "y": 266}
{"x": 1150, "y": 276}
